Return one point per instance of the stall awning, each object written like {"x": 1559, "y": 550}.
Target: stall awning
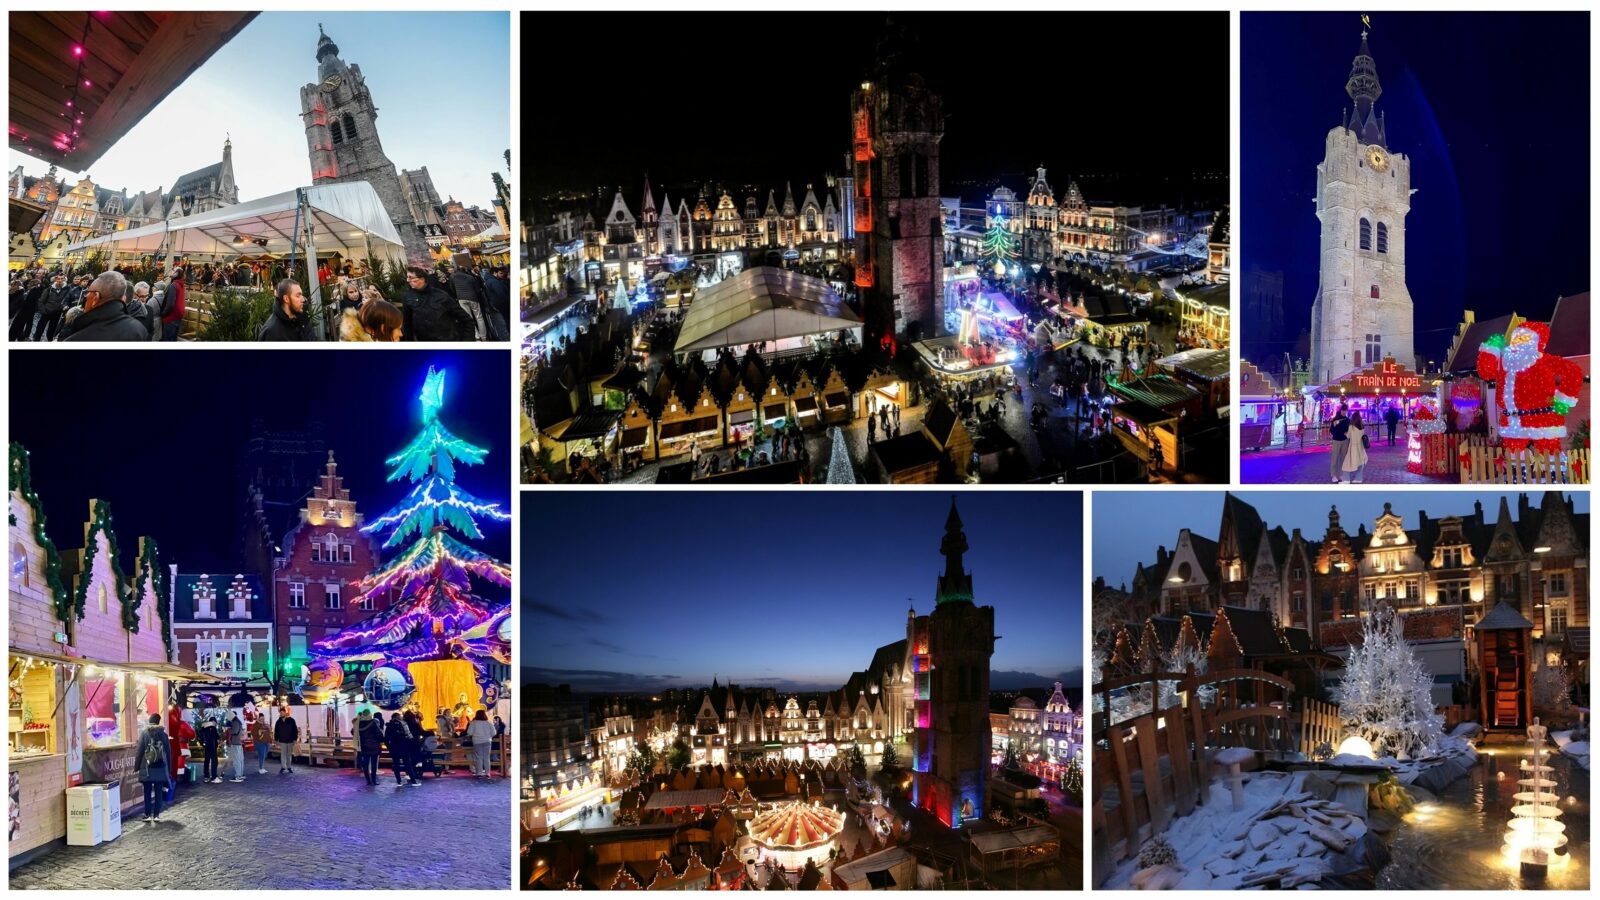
{"x": 174, "y": 672}
{"x": 688, "y": 427}
{"x": 344, "y": 217}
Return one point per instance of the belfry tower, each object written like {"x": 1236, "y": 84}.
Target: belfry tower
{"x": 342, "y": 139}
{"x": 950, "y": 651}
{"x": 1362, "y": 311}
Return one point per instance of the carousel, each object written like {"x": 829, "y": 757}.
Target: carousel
{"x": 792, "y": 833}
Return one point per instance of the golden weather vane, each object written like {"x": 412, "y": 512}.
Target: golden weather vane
{"x": 1366, "y": 24}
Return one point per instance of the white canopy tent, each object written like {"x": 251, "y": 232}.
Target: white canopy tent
{"x": 763, "y": 304}
{"x": 346, "y": 217}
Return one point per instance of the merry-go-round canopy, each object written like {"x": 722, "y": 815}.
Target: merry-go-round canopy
{"x": 345, "y": 217}
{"x": 796, "y": 826}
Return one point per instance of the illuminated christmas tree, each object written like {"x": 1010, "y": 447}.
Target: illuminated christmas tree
{"x": 437, "y": 637}
{"x": 999, "y": 244}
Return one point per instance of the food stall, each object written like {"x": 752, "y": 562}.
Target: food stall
{"x": 807, "y": 411}
{"x": 682, "y": 425}
{"x": 835, "y": 399}
{"x": 741, "y": 414}
{"x": 774, "y": 404}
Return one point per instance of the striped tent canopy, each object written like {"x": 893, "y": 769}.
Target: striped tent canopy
{"x": 796, "y": 826}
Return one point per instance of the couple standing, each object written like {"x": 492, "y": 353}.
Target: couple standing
{"x": 1349, "y": 444}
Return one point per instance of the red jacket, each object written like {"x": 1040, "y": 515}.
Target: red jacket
{"x": 175, "y": 314}
{"x": 180, "y": 733}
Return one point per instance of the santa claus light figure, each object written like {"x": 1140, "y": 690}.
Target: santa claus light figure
{"x": 1533, "y": 389}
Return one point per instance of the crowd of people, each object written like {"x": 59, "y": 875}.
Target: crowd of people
{"x": 165, "y": 753}
{"x": 453, "y": 303}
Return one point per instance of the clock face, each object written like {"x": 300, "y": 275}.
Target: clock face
{"x": 1377, "y": 158}
{"x": 331, "y": 83}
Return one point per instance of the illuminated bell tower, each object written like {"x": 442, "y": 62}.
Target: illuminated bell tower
{"x": 896, "y": 126}
{"x": 950, "y": 651}
{"x": 341, "y": 121}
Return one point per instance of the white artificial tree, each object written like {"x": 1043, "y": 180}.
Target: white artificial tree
{"x": 839, "y": 469}
{"x": 1386, "y": 696}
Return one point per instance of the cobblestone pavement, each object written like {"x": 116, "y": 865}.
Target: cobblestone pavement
{"x": 315, "y": 829}
{"x": 1385, "y": 465}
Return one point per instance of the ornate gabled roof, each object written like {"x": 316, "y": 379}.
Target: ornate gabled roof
{"x": 619, "y": 214}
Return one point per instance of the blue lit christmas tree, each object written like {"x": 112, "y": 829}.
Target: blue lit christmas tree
{"x": 434, "y": 616}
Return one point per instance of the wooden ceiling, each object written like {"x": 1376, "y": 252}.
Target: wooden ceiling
{"x": 133, "y": 60}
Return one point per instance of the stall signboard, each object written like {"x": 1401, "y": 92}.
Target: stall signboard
{"x": 1387, "y": 376}
{"x": 115, "y": 764}
{"x": 72, "y": 707}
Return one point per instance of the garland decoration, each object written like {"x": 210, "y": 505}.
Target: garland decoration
{"x": 22, "y": 482}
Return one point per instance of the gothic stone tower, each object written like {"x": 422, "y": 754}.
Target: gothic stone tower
{"x": 1362, "y": 311}
{"x": 950, "y": 652}
{"x": 342, "y": 137}
{"x": 897, "y": 124}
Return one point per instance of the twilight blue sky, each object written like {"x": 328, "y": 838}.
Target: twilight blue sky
{"x": 440, "y": 80}
{"x": 1492, "y": 109}
{"x": 1129, "y": 525}
{"x": 628, "y": 591}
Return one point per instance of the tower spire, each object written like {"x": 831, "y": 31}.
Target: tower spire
{"x": 1365, "y": 89}
{"x": 955, "y": 584}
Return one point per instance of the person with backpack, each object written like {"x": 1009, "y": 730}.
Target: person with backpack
{"x": 286, "y": 733}
{"x": 154, "y": 762}
{"x": 369, "y": 744}
{"x": 208, "y": 748}
{"x": 398, "y": 737}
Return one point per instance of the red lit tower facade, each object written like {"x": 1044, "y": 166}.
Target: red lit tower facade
{"x": 896, "y": 126}
{"x": 950, "y": 651}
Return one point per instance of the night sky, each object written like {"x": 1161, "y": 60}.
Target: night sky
{"x": 760, "y": 98}
{"x": 158, "y": 434}
{"x": 642, "y": 590}
{"x": 1129, "y": 525}
{"x": 1492, "y": 109}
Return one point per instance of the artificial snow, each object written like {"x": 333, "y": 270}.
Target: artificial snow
{"x": 1284, "y": 834}
{"x": 1577, "y": 750}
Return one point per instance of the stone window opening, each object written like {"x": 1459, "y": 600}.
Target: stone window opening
{"x": 1383, "y": 238}
{"x": 337, "y": 131}
{"x": 1366, "y": 234}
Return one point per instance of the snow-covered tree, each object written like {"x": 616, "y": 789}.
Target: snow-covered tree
{"x": 1550, "y": 688}
{"x": 1386, "y": 695}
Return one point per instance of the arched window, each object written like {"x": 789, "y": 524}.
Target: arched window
{"x": 349, "y": 127}
{"x": 338, "y": 132}
{"x": 1383, "y": 238}
{"x": 1366, "y": 234}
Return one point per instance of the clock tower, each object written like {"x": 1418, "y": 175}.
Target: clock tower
{"x": 342, "y": 138}
{"x": 1362, "y": 311}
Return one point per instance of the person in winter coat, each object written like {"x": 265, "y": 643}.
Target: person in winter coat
{"x": 154, "y": 762}
{"x": 174, "y": 303}
{"x": 24, "y": 306}
{"x": 233, "y": 733}
{"x": 1355, "y": 458}
{"x": 143, "y": 309}
{"x": 369, "y": 744}
{"x": 481, "y": 731}
{"x": 288, "y": 321}
{"x": 434, "y": 314}
{"x": 286, "y": 733}
{"x": 209, "y": 738}
{"x": 498, "y": 287}
{"x": 51, "y": 307}
{"x": 350, "y": 327}
{"x": 470, "y": 293}
{"x": 416, "y": 755}
{"x": 398, "y": 737}
{"x": 261, "y": 736}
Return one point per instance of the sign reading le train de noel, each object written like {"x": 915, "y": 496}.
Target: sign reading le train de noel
{"x": 1388, "y": 376}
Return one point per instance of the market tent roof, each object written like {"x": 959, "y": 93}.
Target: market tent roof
{"x": 762, "y": 304}
{"x": 1569, "y": 326}
{"x": 1465, "y": 357}
{"x": 489, "y": 234}
{"x": 1209, "y": 364}
{"x": 684, "y": 799}
{"x": 1503, "y": 618}
{"x": 1016, "y": 839}
{"x": 1207, "y": 295}
{"x": 132, "y": 61}
{"x": 340, "y": 214}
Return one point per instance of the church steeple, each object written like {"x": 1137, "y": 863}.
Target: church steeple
{"x": 955, "y": 585}
{"x": 1365, "y": 89}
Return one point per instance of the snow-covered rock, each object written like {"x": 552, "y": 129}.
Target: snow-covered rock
{"x": 1262, "y": 835}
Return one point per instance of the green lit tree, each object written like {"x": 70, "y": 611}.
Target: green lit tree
{"x": 857, "y": 761}
{"x": 891, "y": 759}
{"x": 677, "y": 755}
{"x": 999, "y": 245}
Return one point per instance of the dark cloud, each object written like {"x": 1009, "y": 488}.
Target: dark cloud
{"x": 538, "y": 608}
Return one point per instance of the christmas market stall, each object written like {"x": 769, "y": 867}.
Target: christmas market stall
{"x": 440, "y": 649}
{"x": 1371, "y": 391}
{"x": 807, "y": 411}
{"x": 774, "y": 404}
{"x": 835, "y": 399}
{"x": 89, "y": 660}
{"x": 1205, "y": 315}
{"x": 681, "y": 426}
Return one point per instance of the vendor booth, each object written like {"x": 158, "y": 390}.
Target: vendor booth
{"x": 774, "y": 404}
{"x": 682, "y": 425}
{"x": 741, "y": 415}
{"x": 637, "y": 442}
{"x": 782, "y": 312}
{"x": 807, "y": 408}
{"x": 883, "y": 389}
{"x": 835, "y": 399}
{"x": 1371, "y": 391}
